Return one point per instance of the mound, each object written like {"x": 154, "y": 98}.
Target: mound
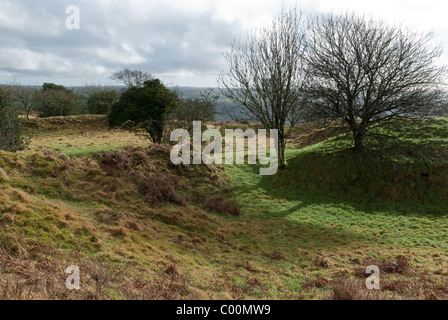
{"x": 123, "y": 205}
{"x": 413, "y": 168}
{"x": 89, "y": 122}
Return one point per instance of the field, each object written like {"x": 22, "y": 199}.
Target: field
{"x": 141, "y": 228}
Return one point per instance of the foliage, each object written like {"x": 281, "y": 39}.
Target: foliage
{"x": 11, "y": 131}
{"x": 132, "y": 78}
{"x": 196, "y": 109}
{"x": 100, "y": 102}
{"x": 53, "y": 86}
{"x": 23, "y": 98}
{"x": 145, "y": 109}
{"x": 56, "y": 100}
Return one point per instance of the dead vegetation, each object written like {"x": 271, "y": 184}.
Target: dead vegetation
{"x": 353, "y": 289}
{"x": 419, "y": 287}
{"x": 136, "y": 195}
{"x": 158, "y": 189}
{"x": 129, "y": 207}
{"x": 166, "y": 284}
{"x": 220, "y": 205}
{"x": 164, "y": 287}
{"x": 44, "y": 278}
{"x": 400, "y": 265}
{"x": 57, "y": 123}
{"x": 398, "y": 280}
{"x": 276, "y": 255}
{"x": 309, "y": 134}
{"x": 250, "y": 285}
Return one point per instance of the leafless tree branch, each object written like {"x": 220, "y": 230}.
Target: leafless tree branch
{"x": 266, "y": 73}
{"x": 366, "y": 72}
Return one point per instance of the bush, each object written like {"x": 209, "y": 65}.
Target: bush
{"x": 101, "y": 102}
{"x": 138, "y": 165}
{"x": 129, "y": 161}
{"x": 220, "y": 205}
{"x": 11, "y": 131}
{"x": 158, "y": 189}
{"x": 145, "y": 109}
{"x": 57, "y": 101}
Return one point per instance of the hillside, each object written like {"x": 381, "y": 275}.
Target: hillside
{"x": 141, "y": 228}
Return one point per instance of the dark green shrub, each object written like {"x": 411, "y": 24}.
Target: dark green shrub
{"x": 145, "y": 109}
{"x": 100, "y": 102}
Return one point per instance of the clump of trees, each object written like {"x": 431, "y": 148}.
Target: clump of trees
{"x": 333, "y": 67}
{"x": 145, "y": 109}
{"x": 11, "y": 130}
{"x": 201, "y": 108}
{"x": 101, "y": 101}
{"x": 153, "y": 109}
{"x": 56, "y": 100}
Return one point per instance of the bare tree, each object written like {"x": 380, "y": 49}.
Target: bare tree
{"x": 201, "y": 108}
{"x": 266, "y": 73}
{"x": 132, "y": 78}
{"x": 365, "y": 73}
{"x": 23, "y": 97}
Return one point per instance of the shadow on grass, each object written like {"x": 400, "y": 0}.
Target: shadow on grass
{"x": 331, "y": 197}
{"x": 393, "y": 177}
{"x": 276, "y": 223}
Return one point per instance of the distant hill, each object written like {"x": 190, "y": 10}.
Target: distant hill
{"x": 188, "y": 92}
{"x": 223, "y": 102}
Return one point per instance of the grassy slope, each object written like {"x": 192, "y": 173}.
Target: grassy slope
{"x": 79, "y": 136}
{"x": 297, "y": 233}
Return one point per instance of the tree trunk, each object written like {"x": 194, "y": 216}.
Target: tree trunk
{"x": 281, "y": 152}
{"x": 358, "y": 137}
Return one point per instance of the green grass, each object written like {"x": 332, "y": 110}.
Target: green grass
{"x": 324, "y": 205}
{"x": 407, "y": 224}
{"x": 80, "y": 144}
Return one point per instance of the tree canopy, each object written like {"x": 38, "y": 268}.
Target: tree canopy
{"x": 365, "y": 73}
{"x": 132, "y": 78}
{"x": 101, "y": 101}
{"x": 145, "y": 109}
{"x": 56, "y": 100}
{"x": 201, "y": 108}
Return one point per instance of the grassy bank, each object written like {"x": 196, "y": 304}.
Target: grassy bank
{"x": 141, "y": 228}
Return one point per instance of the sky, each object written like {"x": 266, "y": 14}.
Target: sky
{"x": 179, "y": 41}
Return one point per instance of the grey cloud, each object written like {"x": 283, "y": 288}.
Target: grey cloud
{"x": 148, "y": 35}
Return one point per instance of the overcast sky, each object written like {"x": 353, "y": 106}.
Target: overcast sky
{"x": 179, "y": 41}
